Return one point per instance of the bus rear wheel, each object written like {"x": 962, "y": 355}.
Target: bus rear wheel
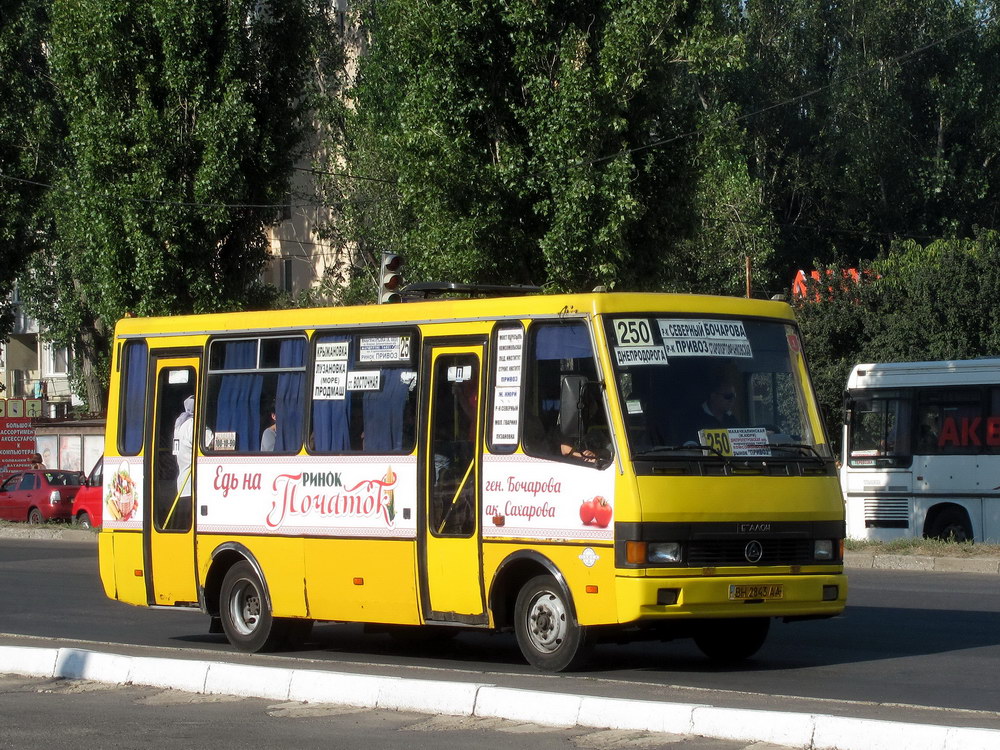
{"x": 950, "y": 525}
{"x": 547, "y": 631}
{"x": 730, "y": 641}
{"x": 245, "y": 612}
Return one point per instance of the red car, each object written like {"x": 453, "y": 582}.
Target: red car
{"x": 88, "y": 505}
{"x": 39, "y": 495}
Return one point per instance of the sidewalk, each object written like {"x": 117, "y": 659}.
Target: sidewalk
{"x": 463, "y": 697}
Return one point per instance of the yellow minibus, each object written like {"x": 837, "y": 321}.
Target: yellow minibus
{"x": 566, "y": 467}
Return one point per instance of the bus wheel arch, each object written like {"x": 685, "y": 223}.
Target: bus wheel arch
{"x": 511, "y": 576}
{"x": 948, "y": 521}
{"x": 530, "y": 595}
{"x": 223, "y": 558}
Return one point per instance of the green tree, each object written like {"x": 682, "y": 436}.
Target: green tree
{"x": 875, "y": 119}
{"x": 553, "y": 143}
{"x": 28, "y": 138}
{"x": 936, "y": 301}
{"x": 833, "y": 320}
{"x": 184, "y": 121}
{"x": 918, "y": 302}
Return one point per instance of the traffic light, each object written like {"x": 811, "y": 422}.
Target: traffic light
{"x": 390, "y": 278}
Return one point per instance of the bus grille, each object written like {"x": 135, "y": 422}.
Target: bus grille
{"x": 887, "y": 513}
{"x": 715, "y": 552}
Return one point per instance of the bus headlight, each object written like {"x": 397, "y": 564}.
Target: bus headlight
{"x": 823, "y": 549}
{"x": 664, "y": 552}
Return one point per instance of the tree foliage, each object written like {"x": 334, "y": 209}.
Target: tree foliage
{"x": 543, "y": 142}
{"x": 29, "y": 130}
{"x": 183, "y": 123}
{"x": 918, "y": 302}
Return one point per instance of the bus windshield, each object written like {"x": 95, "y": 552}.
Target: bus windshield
{"x": 722, "y": 386}
{"x": 878, "y": 428}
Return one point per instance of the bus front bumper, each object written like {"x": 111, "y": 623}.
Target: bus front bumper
{"x": 792, "y": 596}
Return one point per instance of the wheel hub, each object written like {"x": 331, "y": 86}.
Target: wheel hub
{"x": 547, "y": 622}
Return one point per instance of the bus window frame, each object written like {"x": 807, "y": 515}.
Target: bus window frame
{"x": 599, "y": 382}
{"x": 207, "y": 444}
{"x": 902, "y": 455}
{"x": 355, "y": 333}
{"x": 491, "y": 385}
{"x": 986, "y": 395}
{"x": 125, "y": 426}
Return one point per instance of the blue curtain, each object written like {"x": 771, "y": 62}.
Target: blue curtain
{"x": 289, "y": 400}
{"x": 134, "y": 407}
{"x": 239, "y": 396}
{"x": 331, "y": 419}
{"x": 384, "y": 411}
{"x": 568, "y": 341}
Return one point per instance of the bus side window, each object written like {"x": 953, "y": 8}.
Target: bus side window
{"x": 132, "y": 419}
{"x": 374, "y": 414}
{"x": 564, "y": 416}
{"x": 248, "y": 381}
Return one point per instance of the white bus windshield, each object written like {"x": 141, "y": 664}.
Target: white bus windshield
{"x": 698, "y": 386}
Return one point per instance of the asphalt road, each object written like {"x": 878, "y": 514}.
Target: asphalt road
{"x": 908, "y": 639}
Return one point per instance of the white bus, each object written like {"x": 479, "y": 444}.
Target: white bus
{"x": 921, "y": 450}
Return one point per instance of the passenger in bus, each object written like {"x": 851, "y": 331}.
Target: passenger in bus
{"x": 270, "y": 433}
{"x": 183, "y": 439}
{"x": 929, "y": 431}
{"x": 583, "y": 432}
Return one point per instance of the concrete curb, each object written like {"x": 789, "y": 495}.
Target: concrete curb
{"x": 872, "y": 561}
{"x": 812, "y": 731}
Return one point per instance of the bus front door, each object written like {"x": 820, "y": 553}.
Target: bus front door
{"x": 169, "y": 521}
{"x": 452, "y": 439}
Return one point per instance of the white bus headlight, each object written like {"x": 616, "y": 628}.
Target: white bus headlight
{"x": 823, "y": 549}
{"x": 664, "y": 552}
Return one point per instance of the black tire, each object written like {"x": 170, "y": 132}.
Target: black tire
{"x": 950, "y": 524}
{"x": 83, "y": 520}
{"x": 35, "y": 516}
{"x": 246, "y": 612}
{"x": 547, "y": 631}
{"x": 728, "y": 641}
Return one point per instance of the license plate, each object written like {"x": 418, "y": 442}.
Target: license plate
{"x": 757, "y": 591}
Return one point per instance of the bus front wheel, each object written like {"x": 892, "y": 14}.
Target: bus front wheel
{"x": 245, "y": 614}
{"x": 732, "y": 640}
{"x": 547, "y": 631}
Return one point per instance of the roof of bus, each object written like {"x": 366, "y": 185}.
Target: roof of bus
{"x": 540, "y": 305}
{"x": 908, "y": 374}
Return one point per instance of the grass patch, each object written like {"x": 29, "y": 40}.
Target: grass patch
{"x": 928, "y": 547}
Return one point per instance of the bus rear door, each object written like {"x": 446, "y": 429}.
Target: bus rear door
{"x": 169, "y": 521}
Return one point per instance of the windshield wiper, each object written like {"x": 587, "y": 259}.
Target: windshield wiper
{"x": 690, "y": 446}
{"x": 668, "y": 449}
{"x": 810, "y": 450}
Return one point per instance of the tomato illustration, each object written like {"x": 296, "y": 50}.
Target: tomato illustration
{"x": 587, "y": 512}
{"x": 602, "y": 512}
